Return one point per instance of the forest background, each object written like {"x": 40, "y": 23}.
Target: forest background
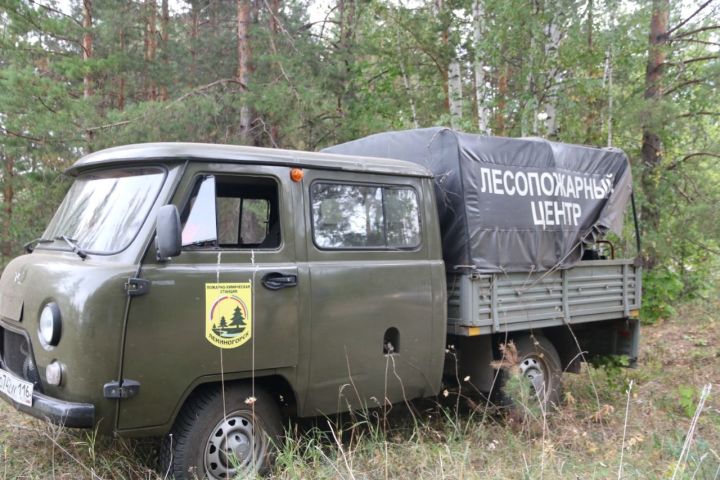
{"x": 80, "y": 75}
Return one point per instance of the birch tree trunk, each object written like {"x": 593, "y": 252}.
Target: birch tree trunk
{"x": 87, "y": 44}
{"x": 609, "y": 78}
{"x": 452, "y": 76}
{"x": 483, "y": 113}
{"x": 244, "y": 53}
{"x": 406, "y": 81}
{"x": 437, "y": 10}
{"x": 652, "y": 148}
{"x": 553, "y": 35}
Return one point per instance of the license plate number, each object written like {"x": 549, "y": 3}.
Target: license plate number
{"x": 19, "y": 390}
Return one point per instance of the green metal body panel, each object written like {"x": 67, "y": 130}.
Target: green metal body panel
{"x": 92, "y": 299}
{"x": 166, "y": 349}
{"x": 592, "y": 291}
{"x": 324, "y": 337}
{"x": 356, "y": 296}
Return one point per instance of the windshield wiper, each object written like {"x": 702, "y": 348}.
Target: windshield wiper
{"x": 30, "y": 246}
{"x": 75, "y": 248}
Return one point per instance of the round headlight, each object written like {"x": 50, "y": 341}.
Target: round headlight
{"x": 50, "y": 325}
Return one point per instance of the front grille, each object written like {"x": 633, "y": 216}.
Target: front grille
{"x": 17, "y": 357}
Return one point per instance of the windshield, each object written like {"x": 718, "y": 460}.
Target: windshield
{"x": 103, "y": 211}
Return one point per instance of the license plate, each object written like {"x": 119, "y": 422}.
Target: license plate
{"x": 19, "y": 390}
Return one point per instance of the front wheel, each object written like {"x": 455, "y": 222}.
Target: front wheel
{"x": 223, "y": 440}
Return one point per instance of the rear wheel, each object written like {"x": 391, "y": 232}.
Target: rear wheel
{"x": 209, "y": 441}
{"x": 539, "y": 364}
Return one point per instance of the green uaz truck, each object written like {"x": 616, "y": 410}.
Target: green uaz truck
{"x": 203, "y": 292}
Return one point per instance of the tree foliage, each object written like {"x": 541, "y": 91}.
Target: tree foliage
{"x": 80, "y": 75}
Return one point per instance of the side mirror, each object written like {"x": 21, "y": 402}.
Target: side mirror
{"x": 168, "y": 239}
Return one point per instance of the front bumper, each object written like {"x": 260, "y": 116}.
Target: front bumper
{"x": 68, "y": 414}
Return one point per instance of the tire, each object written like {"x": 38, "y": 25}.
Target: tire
{"x": 201, "y": 435}
{"x": 539, "y": 362}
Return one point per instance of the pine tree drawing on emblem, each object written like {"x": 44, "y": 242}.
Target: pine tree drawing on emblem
{"x": 237, "y": 322}
{"x": 219, "y": 329}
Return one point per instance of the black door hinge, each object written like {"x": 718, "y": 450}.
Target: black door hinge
{"x": 123, "y": 389}
{"x": 137, "y": 286}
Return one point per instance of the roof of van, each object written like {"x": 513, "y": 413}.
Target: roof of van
{"x": 207, "y": 152}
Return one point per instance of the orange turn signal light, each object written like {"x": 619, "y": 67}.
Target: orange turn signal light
{"x": 297, "y": 174}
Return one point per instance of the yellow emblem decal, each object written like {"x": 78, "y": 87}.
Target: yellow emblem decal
{"x": 228, "y": 318}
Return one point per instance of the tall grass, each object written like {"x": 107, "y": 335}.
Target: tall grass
{"x": 603, "y": 430}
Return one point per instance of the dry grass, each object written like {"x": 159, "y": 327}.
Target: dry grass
{"x": 646, "y": 427}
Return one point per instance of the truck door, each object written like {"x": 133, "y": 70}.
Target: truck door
{"x": 372, "y": 294}
{"x": 227, "y": 304}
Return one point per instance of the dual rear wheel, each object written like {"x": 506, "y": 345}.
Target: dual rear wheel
{"x": 538, "y": 363}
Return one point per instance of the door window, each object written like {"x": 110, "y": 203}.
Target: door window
{"x": 232, "y": 212}
{"x": 347, "y": 216}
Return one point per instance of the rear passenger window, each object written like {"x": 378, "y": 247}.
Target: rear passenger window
{"x": 347, "y": 216}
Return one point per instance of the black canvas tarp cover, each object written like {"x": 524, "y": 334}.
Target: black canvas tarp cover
{"x": 512, "y": 204}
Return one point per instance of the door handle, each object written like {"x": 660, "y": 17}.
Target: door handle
{"x": 277, "y": 281}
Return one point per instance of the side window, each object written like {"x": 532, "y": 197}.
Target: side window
{"x": 232, "y": 212}
{"x": 347, "y": 216}
{"x": 403, "y": 217}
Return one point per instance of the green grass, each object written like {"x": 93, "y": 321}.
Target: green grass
{"x": 447, "y": 437}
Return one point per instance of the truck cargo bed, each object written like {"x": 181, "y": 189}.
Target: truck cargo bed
{"x": 593, "y": 290}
